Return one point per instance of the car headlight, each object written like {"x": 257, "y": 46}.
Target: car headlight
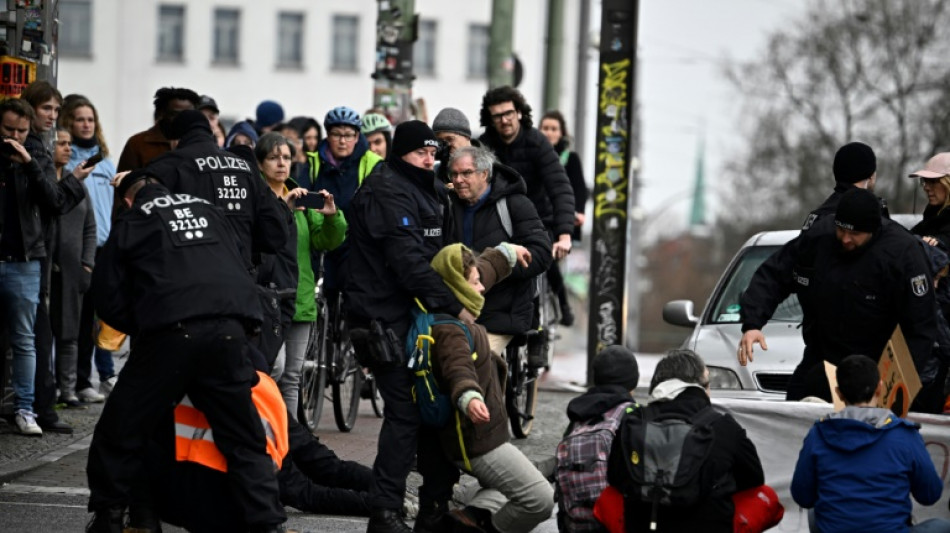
{"x": 723, "y": 378}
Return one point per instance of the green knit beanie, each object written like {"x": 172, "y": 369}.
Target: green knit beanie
{"x": 448, "y": 263}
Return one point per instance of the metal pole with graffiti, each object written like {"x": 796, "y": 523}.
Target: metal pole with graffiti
{"x": 395, "y": 34}
{"x": 613, "y": 186}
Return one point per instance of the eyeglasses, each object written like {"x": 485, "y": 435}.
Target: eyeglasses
{"x": 342, "y": 136}
{"x": 929, "y": 182}
{"x": 465, "y": 174}
{"x": 506, "y": 115}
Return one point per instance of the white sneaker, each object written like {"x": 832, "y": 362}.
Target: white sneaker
{"x": 89, "y": 395}
{"x": 26, "y": 423}
{"x": 105, "y": 387}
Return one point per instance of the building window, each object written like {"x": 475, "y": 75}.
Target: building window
{"x": 171, "y": 33}
{"x": 424, "y": 49}
{"x": 227, "y": 36}
{"x": 346, "y": 30}
{"x": 478, "y": 38}
{"x": 75, "y": 28}
{"x": 290, "y": 40}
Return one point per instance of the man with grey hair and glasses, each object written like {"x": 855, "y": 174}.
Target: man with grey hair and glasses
{"x": 489, "y": 206}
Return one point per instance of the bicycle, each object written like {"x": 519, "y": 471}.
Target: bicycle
{"x": 534, "y": 346}
{"x": 330, "y": 360}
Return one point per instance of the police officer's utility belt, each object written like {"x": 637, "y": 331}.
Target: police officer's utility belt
{"x": 376, "y": 346}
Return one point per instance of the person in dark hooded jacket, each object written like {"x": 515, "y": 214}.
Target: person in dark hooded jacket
{"x": 479, "y": 186}
{"x": 616, "y": 374}
{"x": 858, "y": 467}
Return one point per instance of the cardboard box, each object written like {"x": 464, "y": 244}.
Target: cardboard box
{"x": 901, "y": 382}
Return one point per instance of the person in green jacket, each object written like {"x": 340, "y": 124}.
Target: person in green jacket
{"x": 316, "y": 230}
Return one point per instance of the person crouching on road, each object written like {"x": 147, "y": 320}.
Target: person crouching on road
{"x": 858, "y": 467}
{"x": 515, "y": 496}
{"x": 189, "y": 330}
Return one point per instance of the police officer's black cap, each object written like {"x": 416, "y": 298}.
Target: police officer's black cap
{"x": 131, "y": 179}
{"x": 859, "y": 210}
{"x": 186, "y": 121}
{"x": 854, "y": 162}
{"x": 206, "y": 102}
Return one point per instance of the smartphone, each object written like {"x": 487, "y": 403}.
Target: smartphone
{"x": 7, "y": 149}
{"x": 312, "y": 200}
{"x": 93, "y": 161}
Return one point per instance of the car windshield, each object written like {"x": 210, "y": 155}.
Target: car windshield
{"x": 726, "y": 306}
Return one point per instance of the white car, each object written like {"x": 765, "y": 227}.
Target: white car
{"x": 717, "y": 331}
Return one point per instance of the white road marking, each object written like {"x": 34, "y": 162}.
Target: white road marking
{"x": 34, "y": 489}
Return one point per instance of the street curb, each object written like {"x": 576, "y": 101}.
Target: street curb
{"x": 18, "y": 469}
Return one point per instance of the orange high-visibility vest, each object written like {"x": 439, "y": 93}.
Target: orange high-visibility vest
{"x": 194, "y": 440}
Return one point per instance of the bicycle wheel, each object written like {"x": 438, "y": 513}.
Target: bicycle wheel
{"x": 376, "y": 399}
{"x": 313, "y": 377}
{"x": 348, "y": 379}
{"x": 521, "y": 392}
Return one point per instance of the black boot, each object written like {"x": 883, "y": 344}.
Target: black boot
{"x": 431, "y": 517}
{"x": 143, "y": 519}
{"x": 471, "y": 520}
{"x": 386, "y": 521}
{"x": 567, "y": 316}
{"x": 111, "y": 520}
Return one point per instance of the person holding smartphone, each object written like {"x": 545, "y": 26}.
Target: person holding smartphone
{"x": 319, "y": 226}
{"x": 29, "y": 187}
{"x": 80, "y": 117}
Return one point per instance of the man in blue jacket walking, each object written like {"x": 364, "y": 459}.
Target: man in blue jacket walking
{"x": 859, "y": 467}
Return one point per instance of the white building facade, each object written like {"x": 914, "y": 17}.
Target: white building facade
{"x": 309, "y": 55}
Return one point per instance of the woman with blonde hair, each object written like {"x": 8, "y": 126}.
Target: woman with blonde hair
{"x": 935, "y": 180}
{"x": 81, "y": 119}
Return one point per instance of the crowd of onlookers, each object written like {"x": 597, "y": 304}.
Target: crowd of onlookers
{"x": 62, "y": 335}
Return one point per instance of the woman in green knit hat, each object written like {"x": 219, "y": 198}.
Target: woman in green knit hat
{"x": 515, "y": 496}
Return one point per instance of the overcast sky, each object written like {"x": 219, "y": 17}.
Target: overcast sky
{"x": 684, "y": 95}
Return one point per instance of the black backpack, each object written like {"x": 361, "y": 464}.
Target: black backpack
{"x": 658, "y": 458}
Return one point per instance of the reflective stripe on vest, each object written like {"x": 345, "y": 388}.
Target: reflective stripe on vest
{"x": 194, "y": 439}
{"x": 367, "y": 163}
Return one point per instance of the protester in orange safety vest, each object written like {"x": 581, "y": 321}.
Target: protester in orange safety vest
{"x": 190, "y": 490}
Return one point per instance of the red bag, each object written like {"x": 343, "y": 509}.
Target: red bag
{"x": 757, "y": 509}
{"x": 608, "y": 510}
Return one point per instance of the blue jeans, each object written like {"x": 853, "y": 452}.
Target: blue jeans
{"x": 19, "y": 296}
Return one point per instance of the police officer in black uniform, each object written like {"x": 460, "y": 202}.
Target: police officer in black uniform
{"x": 197, "y": 166}
{"x": 171, "y": 276}
{"x": 855, "y": 286}
{"x": 395, "y": 230}
{"x": 855, "y": 165}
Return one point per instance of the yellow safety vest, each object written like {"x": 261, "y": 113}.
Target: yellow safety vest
{"x": 368, "y": 162}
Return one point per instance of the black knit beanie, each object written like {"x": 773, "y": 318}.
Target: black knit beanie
{"x": 854, "y": 162}
{"x": 412, "y": 135}
{"x": 616, "y": 365}
{"x": 186, "y": 121}
{"x": 859, "y": 210}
